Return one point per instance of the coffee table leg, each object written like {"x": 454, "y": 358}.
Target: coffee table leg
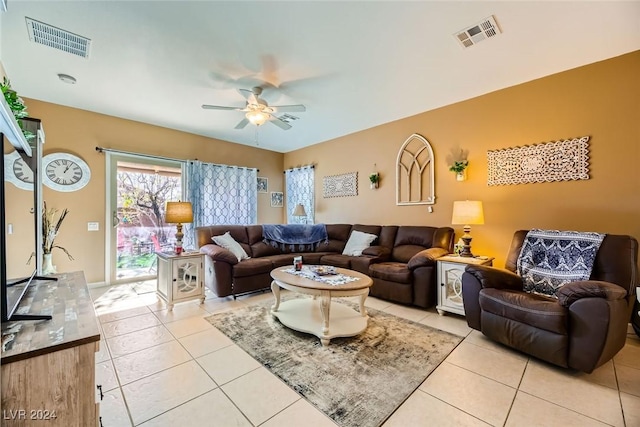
{"x": 276, "y": 293}
{"x": 325, "y": 305}
{"x": 363, "y": 310}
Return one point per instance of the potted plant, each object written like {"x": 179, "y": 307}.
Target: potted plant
{"x": 459, "y": 167}
{"x": 375, "y": 180}
{"x": 16, "y": 104}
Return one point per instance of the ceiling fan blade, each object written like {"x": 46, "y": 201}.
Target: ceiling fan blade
{"x": 289, "y": 108}
{"x": 249, "y": 96}
{"x": 242, "y": 123}
{"x": 218, "y": 107}
{"x": 281, "y": 124}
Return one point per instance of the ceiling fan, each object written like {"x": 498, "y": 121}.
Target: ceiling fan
{"x": 258, "y": 111}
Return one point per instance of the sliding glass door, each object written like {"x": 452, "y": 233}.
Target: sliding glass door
{"x": 138, "y": 189}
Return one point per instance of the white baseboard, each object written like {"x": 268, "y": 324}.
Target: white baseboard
{"x": 97, "y": 285}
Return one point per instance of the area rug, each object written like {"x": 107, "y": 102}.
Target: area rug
{"x": 357, "y": 381}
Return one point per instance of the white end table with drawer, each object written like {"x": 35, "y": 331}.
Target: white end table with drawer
{"x": 180, "y": 277}
{"x": 449, "y": 274}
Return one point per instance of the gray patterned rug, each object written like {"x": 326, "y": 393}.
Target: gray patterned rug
{"x": 358, "y": 381}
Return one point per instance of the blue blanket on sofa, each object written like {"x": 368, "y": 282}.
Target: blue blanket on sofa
{"x": 550, "y": 259}
{"x": 305, "y": 237}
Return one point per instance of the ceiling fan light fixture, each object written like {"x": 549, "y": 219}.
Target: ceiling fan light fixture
{"x": 257, "y": 117}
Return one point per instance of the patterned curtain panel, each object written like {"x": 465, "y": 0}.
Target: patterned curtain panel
{"x": 220, "y": 194}
{"x": 300, "y": 190}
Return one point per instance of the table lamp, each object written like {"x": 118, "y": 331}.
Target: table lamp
{"x": 178, "y": 213}
{"x": 299, "y": 211}
{"x": 466, "y": 213}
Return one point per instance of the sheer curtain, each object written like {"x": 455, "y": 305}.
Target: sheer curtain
{"x": 299, "y": 183}
{"x": 220, "y": 194}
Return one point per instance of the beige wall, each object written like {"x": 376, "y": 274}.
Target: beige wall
{"x": 601, "y": 100}
{"x": 79, "y": 132}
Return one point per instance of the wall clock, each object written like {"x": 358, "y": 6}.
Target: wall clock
{"x": 17, "y": 171}
{"x": 65, "y": 172}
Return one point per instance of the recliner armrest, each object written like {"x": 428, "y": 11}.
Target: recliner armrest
{"x": 426, "y": 258}
{"x": 573, "y": 291}
{"x": 381, "y": 252}
{"x": 218, "y": 253}
{"x": 491, "y": 277}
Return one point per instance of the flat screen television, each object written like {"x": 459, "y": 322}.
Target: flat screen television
{"x": 19, "y": 229}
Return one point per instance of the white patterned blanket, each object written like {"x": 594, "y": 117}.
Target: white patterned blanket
{"x": 551, "y": 258}
{"x": 333, "y": 279}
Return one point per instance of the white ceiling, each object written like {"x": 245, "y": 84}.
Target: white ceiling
{"x": 354, "y": 65}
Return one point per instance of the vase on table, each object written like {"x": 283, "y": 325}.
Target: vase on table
{"x": 47, "y": 265}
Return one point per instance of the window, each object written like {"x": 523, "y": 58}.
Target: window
{"x": 300, "y": 190}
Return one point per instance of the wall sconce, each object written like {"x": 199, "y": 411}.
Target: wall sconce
{"x": 374, "y": 178}
{"x": 460, "y": 168}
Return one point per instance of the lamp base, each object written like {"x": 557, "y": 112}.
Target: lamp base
{"x": 179, "y": 236}
{"x": 466, "y": 249}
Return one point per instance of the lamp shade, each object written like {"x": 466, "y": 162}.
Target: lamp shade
{"x": 299, "y": 210}
{"x": 467, "y": 212}
{"x": 178, "y": 212}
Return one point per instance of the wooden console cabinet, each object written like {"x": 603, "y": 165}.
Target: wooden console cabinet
{"x": 48, "y": 368}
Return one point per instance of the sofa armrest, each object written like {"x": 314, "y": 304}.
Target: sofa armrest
{"x": 381, "y": 252}
{"x": 491, "y": 277}
{"x": 573, "y": 291}
{"x": 426, "y": 258}
{"x": 218, "y": 253}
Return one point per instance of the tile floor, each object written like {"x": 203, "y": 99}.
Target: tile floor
{"x": 161, "y": 368}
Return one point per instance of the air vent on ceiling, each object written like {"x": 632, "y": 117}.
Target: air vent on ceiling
{"x": 57, "y": 38}
{"x": 483, "y": 30}
{"x": 288, "y": 118}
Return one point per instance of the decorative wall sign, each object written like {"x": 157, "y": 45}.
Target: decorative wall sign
{"x": 566, "y": 160}
{"x": 414, "y": 173}
{"x": 277, "y": 199}
{"x": 340, "y": 185}
{"x": 263, "y": 185}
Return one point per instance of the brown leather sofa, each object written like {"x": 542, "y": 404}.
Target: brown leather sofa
{"x": 582, "y": 329}
{"x": 401, "y": 261}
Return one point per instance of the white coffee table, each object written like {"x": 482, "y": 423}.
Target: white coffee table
{"x": 316, "y": 315}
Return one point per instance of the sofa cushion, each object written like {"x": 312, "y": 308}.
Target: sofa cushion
{"x": 531, "y": 309}
{"x": 404, "y": 253}
{"x": 358, "y": 241}
{"x": 280, "y": 260}
{"x": 391, "y": 271}
{"x": 229, "y": 243}
{"x": 369, "y": 229}
{"x": 338, "y": 236}
{"x": 337, "y": 260}
{"x": 252, "y": 266}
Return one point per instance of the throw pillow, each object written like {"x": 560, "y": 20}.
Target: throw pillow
{"x": 229, "y": 243}
{"x": 358, "y": 242}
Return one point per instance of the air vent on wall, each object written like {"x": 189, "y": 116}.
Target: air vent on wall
{"x": 57, "y": 38}
{"x": 483, "y": 30}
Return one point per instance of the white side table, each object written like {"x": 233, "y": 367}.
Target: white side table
{"x": 180, "y": 277}
{"x": 450, "y": 269}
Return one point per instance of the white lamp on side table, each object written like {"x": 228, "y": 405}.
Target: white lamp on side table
{"x": 178, "y": 213}
{"x": 299, "y": 211}
{"x": 466, "y": 213}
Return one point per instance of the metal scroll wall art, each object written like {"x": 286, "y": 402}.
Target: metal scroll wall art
{"x": 566, "y": 160}
{"x": 414, "y": 173}
{"x": 340, "y": 185}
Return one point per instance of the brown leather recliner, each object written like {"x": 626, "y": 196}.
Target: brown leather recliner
{"x": 582, "y": 329}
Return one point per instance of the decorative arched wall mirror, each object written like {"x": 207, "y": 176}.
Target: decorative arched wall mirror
{"x": 415, "y": 172}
